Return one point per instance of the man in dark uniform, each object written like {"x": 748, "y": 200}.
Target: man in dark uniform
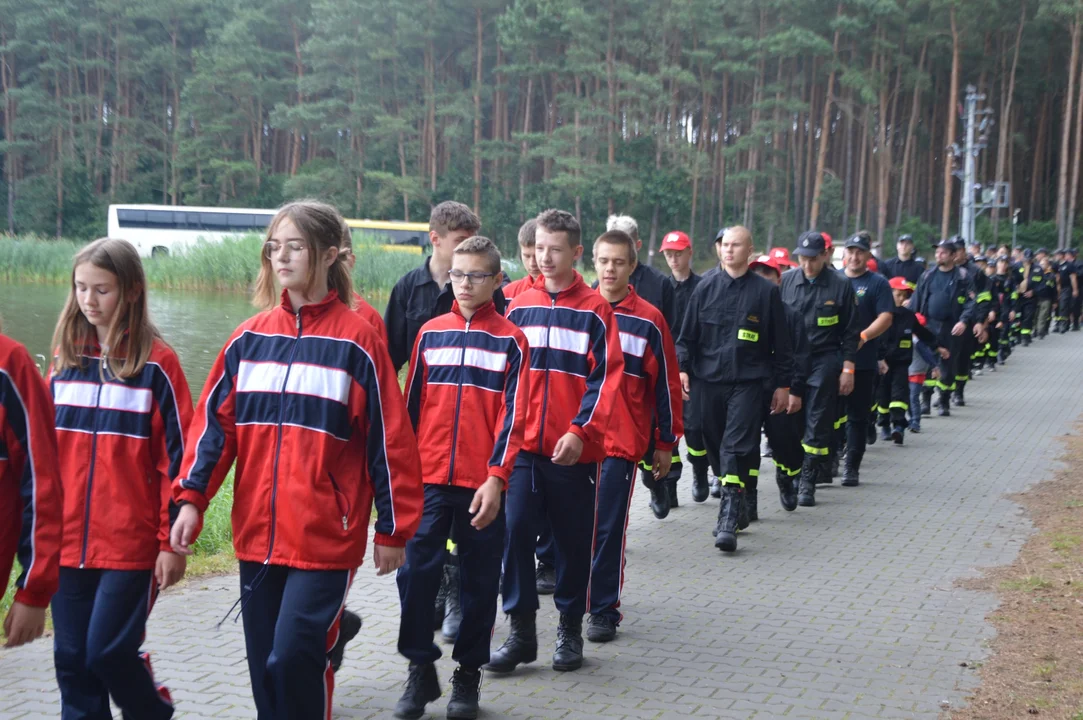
{"x": 874, "y": 314}
{"x": 677, "y": 249}
{"x": 944, "y": 296}
{"x": 908, "y": 265}
{"x": 1068, "y": 284}
{"x": 825, "y": 299}
{"x": 733, "y": 350}
{"x": 1005, "y": 298}
{"x": 975, "y": 337}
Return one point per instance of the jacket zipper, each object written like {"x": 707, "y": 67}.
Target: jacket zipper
{"x": 278, "y": 440}
{"x": 458, "y": 405}
{"x": 545, "y": 396}
{"x": 346, "y": 512}
{"x": 90, "y": 472}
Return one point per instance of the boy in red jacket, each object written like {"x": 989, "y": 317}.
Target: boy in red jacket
{"x": 470, "y": 365}
{"x": 575, "y": 370}
{"x": 650, "y": 387}
{"x": 530, "y": 264}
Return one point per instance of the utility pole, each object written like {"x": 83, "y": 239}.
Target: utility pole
{"x": 966, "y": 215}
{"x": 994, "y": 195}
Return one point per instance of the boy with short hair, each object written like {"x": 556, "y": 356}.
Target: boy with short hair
{"x": 467, "y": 401}
{"x": 526, "y": 254}
{"x": 575, "y": 369}
{"x": 650, "y": 387}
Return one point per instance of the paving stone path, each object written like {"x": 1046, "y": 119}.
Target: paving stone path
{"x": 846, "y": 610}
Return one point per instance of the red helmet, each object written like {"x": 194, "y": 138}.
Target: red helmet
{"x": 899, "y": 283}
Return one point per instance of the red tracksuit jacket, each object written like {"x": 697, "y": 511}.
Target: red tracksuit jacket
{"x": 31, "y": 499}
{"x": 311, "y": 409}
{"x": 121, "y": 443}
{"x": 467, "y": 396}
{"x": 651, "y": 382}
{"x": 370, "y": 315}
{"x": 517, "y": 287}
{"x": 575, "y": 366}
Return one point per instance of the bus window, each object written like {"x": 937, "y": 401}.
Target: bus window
{"x": 213, "y": 221}
{"x": 159, "y": 219}
{"x": 131, "y": 218}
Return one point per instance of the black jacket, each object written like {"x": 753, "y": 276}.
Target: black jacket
{"x": 897, "y": 345}
{"x": 829, "y": 309}
{"x": 910, "y": 270}
{"x": 415, "y": 300}
{"x": 682, "y": 293}
{"x": 735, "y": 331}
{"x": 802, "y": 361}
{"x": 961, "y": 300}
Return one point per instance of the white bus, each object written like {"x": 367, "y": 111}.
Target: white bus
{"x": 158, "y": 229}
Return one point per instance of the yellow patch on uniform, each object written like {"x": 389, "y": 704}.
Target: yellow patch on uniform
{"x": 749, "y": 335}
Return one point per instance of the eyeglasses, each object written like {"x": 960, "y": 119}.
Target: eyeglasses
{"x": 473, "y": 278}
{"x": 272, "y": 248}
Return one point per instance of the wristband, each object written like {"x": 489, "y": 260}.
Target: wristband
{"x": 864, "y": 336}
{"x": 848, "y": 371}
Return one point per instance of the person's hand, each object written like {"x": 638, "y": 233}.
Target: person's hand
{"x": 685, "y": 387}
{"x": 780, "y": 400}
{"x": 883, "y": 367}
{"x": 935, "y": 374}
{"x": 568, "y": 449}
{"x": 1011, "y": 315}
{"x": 1000, "y": 326}
{"x": 1028, "y": 294}
{"x": 943, "y": 352}
{"x": 860, "y": 342}
{"x": 959, "y": 329}
{"x": 663, "y": 460}
{"x": 23, "y": 624}
{"x": 992, "y": 316}
{"x": 846, "y": 383}
{"x": 979, "y": 330}
{"x": 169, "y": 569}
{"x": 1075, "y": 293}
{"x": 185, "y": 529}
{"x": 793, "y": 405}
{"x": 388, "y": 559}
{"x": 486, "y": 503}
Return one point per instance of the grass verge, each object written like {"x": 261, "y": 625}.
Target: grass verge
{"x": 213, "y": 550}
{"x": 1036, "y": 664}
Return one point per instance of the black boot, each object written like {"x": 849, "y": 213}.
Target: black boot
{"x": 671, "y": 490}
{"x": 348, "y": 627}
{"x": 751, "y": 503}
{"x": 725, "y": 538}
{"x": 870, "y": 434}
{"x": 743, "y": 519}
{"x": 453, "y": 611}
{"x": 440, "y": 608}
{"x": 422, "y": 687}
{"x": 787, "y": 493}
{"x": 944, "y": 408}
{"x": 545, "y": 578}
{"x": 700, "y": 489}
{"x": 897, "y": 434}
{"x": 827, "y": 478}
{"x": 601, "y": 628}
{"x": 521, "y": 647}
{"x": 849, "y": 473}
{"x": 716, "y": 488}
{"x": 659, "y": 493}
{"x": 465, "y": 694}
{"x": 806, "y": 484}
{"x": 569, "y": 652}
{"x": 926, "y": 401}
{"x": 959, "y": 398}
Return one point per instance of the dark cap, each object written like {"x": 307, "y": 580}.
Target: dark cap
{"x": 810, "y": 244}
{"x": 718, "y": 235}
{"x": 860, "y": 240}
{"x": 948, "y": 244}
{"x": 979, "y": 259}
{"x": 905, "y": 238}
{"x": 1003, "y": 258}
{"x": 1072, "y": 251}
{"x": 1041, "y": 251}
{"x": 1028, "y": 253}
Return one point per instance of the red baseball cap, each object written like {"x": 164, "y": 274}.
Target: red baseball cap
{"x": 781, "y": 256}
{"x": 766, "y": 261}
{"x": 872, "y": 265}
{"x": 899, "y": 283}
{"x": 675, "y": 240}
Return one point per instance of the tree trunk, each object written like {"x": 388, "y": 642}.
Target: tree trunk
{"x": 477, "y": 111}
{"x": 1065, "y": 137}
{"x": 825, "y": 126}
{"x": 1069, "y": 219}
{"x": 523, "y": 145}
{"x": 1039, "y": 153}
{"x": 953, "y": 101}
{"x": 611, "y": 86}
{"x": 915, "y": 108}
{"x": 861, "y": 164}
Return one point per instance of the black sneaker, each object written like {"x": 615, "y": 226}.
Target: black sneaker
{"x": 545, "y": 579}
{"x": 422, "y": 688}
{"x": 348, "y": 627}
{"x": 601, "y": 628}
{"x": 465, "y": 694}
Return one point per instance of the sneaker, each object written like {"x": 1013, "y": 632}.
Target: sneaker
{"x": 545, "y": 579}
{"x": 915, "y": 429}
{"x": 601, "y": 628}
{"x": 422, "y": 688}
{"x": 465, "y": 694}
{"x": 348, "y": 627}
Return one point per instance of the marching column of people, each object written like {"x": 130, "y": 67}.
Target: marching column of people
{"x": 527, "y": 408}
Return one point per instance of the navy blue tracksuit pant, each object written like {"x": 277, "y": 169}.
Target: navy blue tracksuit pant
{"x": 565, "y": 495}
{"x": 480, "y": 554}
{"x": 607, "y": 566}
{"x": 100, "y": 619}
{"x": 291, "y": 622}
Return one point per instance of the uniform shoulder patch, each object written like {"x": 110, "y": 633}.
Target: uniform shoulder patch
{"x": 753, "y": 318}
{"x": 829, "y": 302}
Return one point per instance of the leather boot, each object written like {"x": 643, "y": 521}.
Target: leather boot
{"x": 520, "y": 648}
{"x": 465, "y": 694}
{"x": 849, "y": 473}
{"x": 453, "y": 612}
{"x": 806, "y": 488}
{"x": 569, "y": 652}
{"x": 422, "y": 688}
{"x": 944, "y": 408}
{"x": 827, "y": 478}
{"x": 751, "y": 499}
{"x": 659, "y": 494}
{"x": 743, "y": 519}
{"x": 716, "y": 488}
{"x": 671, "y": 490}
{"x": 787, "y": 493}
{"x": 726, "y": 527}
{"x": 700, "y": 489}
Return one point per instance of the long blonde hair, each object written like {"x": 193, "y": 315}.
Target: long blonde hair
{"x": 321, "y": 227}
{"x": 131, "y": 334}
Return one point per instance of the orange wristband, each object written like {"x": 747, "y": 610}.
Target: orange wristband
{"x": 848, "y": 371}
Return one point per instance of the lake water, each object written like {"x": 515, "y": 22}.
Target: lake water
{"x": 196, "y": 324}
